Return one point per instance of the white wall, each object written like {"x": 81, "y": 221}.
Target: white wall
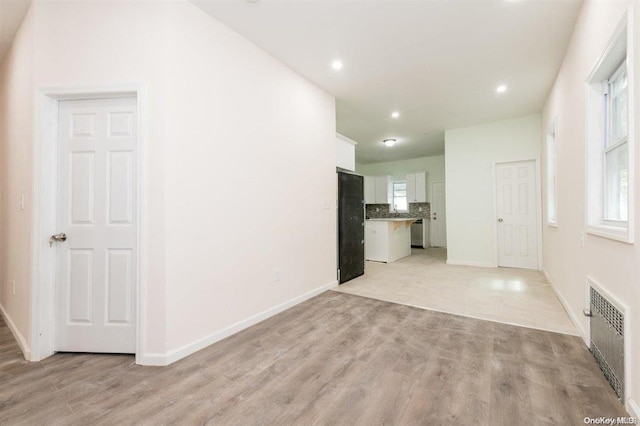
{"x": 252, "y": 157}
{"x": 16, "y": 152}
{"x": 237, "y": 163}
{"x": 434, "y": 166}
{"x": 614, "y": 265}
{"x": 470, "y": 156}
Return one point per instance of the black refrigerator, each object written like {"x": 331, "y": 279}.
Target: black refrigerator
{"x": 350, "y": 226}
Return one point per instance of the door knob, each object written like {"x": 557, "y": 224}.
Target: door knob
{"x": 57, "y": 237}
{"x": 500, "y": 220}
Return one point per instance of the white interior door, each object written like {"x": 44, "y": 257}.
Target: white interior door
{"x": 517, "y": 217}
{"x": 95, "y": 265}
{"x": 438, "y": 215}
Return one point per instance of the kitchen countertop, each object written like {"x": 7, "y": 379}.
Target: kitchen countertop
{"x": 394, "y": 219}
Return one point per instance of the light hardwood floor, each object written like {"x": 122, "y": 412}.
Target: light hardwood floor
{"x": 336, "y": 359}
{"x": 424, "y": 280}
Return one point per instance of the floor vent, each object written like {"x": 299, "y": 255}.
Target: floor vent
{"x": 607, "y": 339}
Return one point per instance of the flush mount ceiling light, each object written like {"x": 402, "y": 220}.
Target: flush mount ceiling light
{"x": 389, "y": 142}
{"x": 336, "y": 65}
{"x": 501, "y": 89}
{"x": 395, "y": 114}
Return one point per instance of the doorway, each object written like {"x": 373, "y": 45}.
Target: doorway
{"x": 517, "y": 214}
{"x": 438, "y": 222}
{"x": 87, "y": 228}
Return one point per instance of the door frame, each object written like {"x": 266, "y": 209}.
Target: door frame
{"x": 43, "y": 260}
{"x": 538, "y": 193}
{"x": 431, "y": 212}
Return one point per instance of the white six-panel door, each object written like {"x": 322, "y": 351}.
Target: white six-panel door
{"x": 438, "y": 221}
{"x": 517, "y": 216}
{"x": 95, "y": 266}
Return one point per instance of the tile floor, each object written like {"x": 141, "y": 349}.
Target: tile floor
{"x": 424, "y": 280}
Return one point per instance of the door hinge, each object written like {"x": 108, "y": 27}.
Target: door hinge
{"x": 338, "y": 275}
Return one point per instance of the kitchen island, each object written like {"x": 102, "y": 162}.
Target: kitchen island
{"x": 387, "y": 239}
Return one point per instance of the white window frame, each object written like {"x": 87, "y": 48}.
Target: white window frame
{"x": 393, "y": 197}
{"x": 552, "y": 173}
{"x": 619, "y": 50}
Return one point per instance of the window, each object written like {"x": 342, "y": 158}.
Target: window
{"x": 610, "y": 135}
{"x": 616, "y": 151}
{"x": 400, "y": 197}
{"x": 551, "y": 175}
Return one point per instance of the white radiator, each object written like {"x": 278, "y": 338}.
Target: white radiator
{"x": 607, "y": 337}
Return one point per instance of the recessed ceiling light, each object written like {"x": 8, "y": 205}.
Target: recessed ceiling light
{"x": 395, "y": 114}
{"x": 501, "y": 89}
{"x": 336, "y": 65}
{"x": 389, "y": 142}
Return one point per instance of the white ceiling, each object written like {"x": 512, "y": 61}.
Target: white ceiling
{"x": 438, "y": 62}
{"x": 12, "y": 13}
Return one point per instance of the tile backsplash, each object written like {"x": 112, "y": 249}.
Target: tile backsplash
{"x": 383, "y": 211}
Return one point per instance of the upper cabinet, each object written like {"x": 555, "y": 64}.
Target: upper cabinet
{"x": 384, "y": 190}
{"x": 345, "y": 153}
{"x": 369, "y": 189}
{"x": 377, "y": 189}
{"x": 417, "y": 187}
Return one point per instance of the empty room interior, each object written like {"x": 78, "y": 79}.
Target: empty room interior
{"x": 319, "y": 212}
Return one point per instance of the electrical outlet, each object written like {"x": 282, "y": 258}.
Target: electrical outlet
{"x": 14, "y": 287}
{"x": 419, "y": 209}
{"x": 377, "y": 209}
{"x": 276, "y": 274}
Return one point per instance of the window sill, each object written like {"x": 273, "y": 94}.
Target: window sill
{"x": 611, "y": 232}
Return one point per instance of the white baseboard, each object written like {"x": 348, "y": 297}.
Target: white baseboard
{"x": 151, "y": 359}
{"x": 574, "y": 318}
{"x": 24, "y": 347}
{"x": 470, "y": 263}
{"x": 188, "y": 349}
{"x": 633, "y": 409}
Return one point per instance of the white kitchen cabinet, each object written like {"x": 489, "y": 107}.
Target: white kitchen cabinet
{"x": 417, "y": 187}
{"x": 370, "y": 189}
{"x": 384, "y": 189}
{"x": 387, "y": 240}
{"x": 378, "y": 189}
